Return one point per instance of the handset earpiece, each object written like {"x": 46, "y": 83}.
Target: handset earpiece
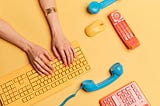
{"x": 94, "y": 7}
{"x": 116, "y": 71}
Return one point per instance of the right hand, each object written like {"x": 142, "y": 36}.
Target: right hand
{"x": 40, "y": 59}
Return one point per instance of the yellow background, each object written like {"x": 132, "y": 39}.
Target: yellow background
{"x": 140, "y": 65}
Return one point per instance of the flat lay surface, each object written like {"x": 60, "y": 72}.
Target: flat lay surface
{"x": 102, "y": 51}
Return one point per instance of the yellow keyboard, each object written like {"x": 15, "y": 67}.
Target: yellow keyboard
{"x": 24, "y": 87}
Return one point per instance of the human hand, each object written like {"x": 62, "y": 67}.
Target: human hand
{"x": 40, "y": 59}
{"x": 62, "y": 48}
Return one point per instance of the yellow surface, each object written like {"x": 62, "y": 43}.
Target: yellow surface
{"x": 140, "y": 65}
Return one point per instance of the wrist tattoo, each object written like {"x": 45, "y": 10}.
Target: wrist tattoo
{"x": 50, "y": 10}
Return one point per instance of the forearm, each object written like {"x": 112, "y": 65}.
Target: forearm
{"x": 52, "y": 18}
{"x": 9, "y": 34}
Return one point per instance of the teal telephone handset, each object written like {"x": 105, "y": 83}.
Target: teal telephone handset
{"x": 116, "y": 71}
{"x": 94, "y": 7}
{"x": 89, "y": 85}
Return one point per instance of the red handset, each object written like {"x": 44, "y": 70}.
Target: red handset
{"x": 123, "y": 30}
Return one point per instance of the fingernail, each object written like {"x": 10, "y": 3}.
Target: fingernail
{"x": 43, "y": 75}
{"x": 75, "y": 55}
{"x": 51, "y": 67}
{"x": 51, "y": 62}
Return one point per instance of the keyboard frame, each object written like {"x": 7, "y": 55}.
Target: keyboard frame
{"x": 19, "y": 74}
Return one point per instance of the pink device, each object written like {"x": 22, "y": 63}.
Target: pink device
{"x": 128, "y": 95}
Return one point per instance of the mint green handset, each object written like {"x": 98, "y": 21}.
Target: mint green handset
{"x": 89, "y": 86}
{"x": 116, "y": 71}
